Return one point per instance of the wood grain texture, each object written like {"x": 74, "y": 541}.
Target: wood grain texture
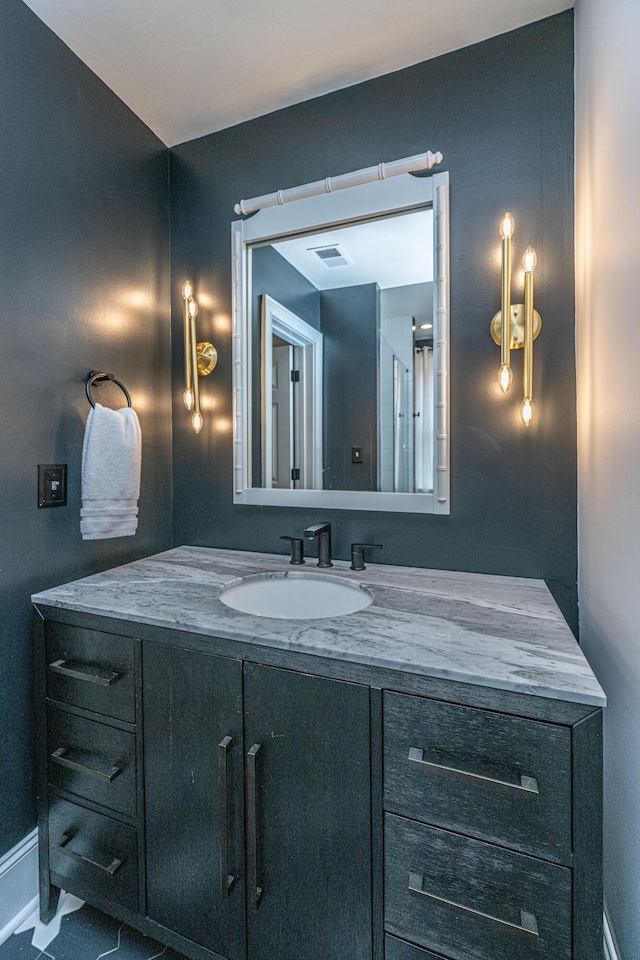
{"x": 314, "y": 816}
{"x": 48, "y": 894}
{"x": 377, "y": 825}
{"x": 97, "y": 748}
{"x": 483, "y": 878}
{"x": 395, "y": 949}
{"x": 191, "y": 702}
{"x": 495, "y": 750}
{"x": 84, "y": 649}
{"x": 587, "y": 833}
{"x": 98, "y": 838}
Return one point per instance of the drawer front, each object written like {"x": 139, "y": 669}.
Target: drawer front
{"x": 91, "y": 852}
{"x": 395, "y": 949}
{"x": 92, "y": 760}
{"x": 91, "y": 669}
{"x": 485, "y": 774}
{"x": 470, "y": 900}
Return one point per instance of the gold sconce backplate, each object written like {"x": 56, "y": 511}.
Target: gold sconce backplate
{"x": 517, "y": 326}
{"x": 207, "y": 358}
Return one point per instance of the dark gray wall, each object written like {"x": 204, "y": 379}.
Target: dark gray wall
{"x": 83, "y": 285}
{"x": 349, "y": 324}
{"x": 272, "y": 274}
{"x": 502, "y": 114}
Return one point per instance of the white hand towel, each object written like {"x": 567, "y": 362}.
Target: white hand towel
{"x": 111, "y": 460}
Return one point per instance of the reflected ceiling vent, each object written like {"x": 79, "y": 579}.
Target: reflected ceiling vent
{"x": 332, "y": 255}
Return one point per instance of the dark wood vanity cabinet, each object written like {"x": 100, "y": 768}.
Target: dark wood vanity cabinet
{"x": 257, "y": 805}
{"x": 243, "y": 803}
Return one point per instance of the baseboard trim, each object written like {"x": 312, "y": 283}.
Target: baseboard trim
{"x": 18, "y": 884}
{"x": 610, "y": 949}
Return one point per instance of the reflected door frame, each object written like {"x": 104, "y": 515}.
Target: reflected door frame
{"x": 307, "y": 397}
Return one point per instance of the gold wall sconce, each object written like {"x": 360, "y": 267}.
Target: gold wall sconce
{"x": 199, "y": 358}
{"x": 516, "y": 326}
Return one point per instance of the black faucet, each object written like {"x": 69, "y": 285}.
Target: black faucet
{"x": 323, "y": 532}
{"x": 357, "y": 554}
{"x": 297, "y": 555}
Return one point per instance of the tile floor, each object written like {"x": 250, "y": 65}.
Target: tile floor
{"x": 85, "y": 934}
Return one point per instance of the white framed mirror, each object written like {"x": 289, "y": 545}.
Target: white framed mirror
{"x": 341, "y": 349}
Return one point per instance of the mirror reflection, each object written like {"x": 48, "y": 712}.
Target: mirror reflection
{"x": 342, "y": 380}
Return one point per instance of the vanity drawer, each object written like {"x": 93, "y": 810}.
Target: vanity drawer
{"x": 464, "y": 899}
{"x": 91, "y": 852}
{"x": 485, "y": 774}
{"x": 395, "y": 949}
{"x": 92, "y": 760}
{"x": 91, "y": 669}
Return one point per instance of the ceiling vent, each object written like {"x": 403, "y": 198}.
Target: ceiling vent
{"x": 331, "y": 256}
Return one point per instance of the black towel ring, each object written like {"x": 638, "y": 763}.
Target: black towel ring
{"x": 96, "y": 377}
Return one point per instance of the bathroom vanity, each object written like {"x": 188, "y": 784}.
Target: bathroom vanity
{"x": 420, "y": 779}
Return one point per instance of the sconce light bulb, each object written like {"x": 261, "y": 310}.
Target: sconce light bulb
{"x": 505, "y": 376}
{"x": 507, "y": 226}
{"x": 426, "y": 326}
{"x": 187, "y": 289}
{"x": 529, "y": 260}
{"x": 526, "y": 411}
{"x": 187, "y": 398}
{"x": 197, "y": 421}
{"x": 193, "y": 307}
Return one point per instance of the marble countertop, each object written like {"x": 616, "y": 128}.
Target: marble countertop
{"x": 502, "y": 632}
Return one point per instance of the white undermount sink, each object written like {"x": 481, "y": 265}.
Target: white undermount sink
{"x": 295, "y": 595}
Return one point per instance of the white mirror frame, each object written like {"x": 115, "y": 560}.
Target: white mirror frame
{"x": 315, "y": 213}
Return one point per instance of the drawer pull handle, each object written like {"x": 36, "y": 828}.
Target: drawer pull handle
{"x": 90, "y": 673}
{"x": 226, "y": 879}
{"x": 528, "y": 785}
{"x": 60, "y": 757}
{"x": 111, "y": 868}
{"x": 528, "y": 923}
{"x": 255, "y": 891}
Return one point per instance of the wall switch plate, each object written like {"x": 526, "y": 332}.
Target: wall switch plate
{"x": 52, "y": 485}
{"x": 356, "y": 455}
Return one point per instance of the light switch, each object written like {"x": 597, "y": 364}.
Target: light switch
{"x": 52, "y": 484}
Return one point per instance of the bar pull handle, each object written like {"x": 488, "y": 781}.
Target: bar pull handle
{"x": 60, "y": 757}
{"x": 527, "y": 785}
{"x": 227, "y": 879}
{"x": 111, "y": 868}
{"x": 255, "y": 891}
{"x": 528, "y": 923}
{"x": 89, "y": 673}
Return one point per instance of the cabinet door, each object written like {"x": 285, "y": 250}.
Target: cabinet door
{"x": 194, "y": 796}
{"x": 307, "y": 750}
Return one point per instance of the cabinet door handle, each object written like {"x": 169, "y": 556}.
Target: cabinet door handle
{"x": 226, "y": 879}
{"x": 527, "y": 785}
{"x": 60, "y": 757}
{"x": 111, "y": 868}
{"x": 528, "y": 923}
{"x": 255, "y": 891}
{"x": 89, "y": 673}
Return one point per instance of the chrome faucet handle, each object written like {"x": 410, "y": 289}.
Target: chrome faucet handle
{"x": 297, "y": 556}
{"x": 357, "y": 554}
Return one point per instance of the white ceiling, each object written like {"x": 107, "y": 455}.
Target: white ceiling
{"x": 393, "y": 252}
{"x": 191, "y": 67}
